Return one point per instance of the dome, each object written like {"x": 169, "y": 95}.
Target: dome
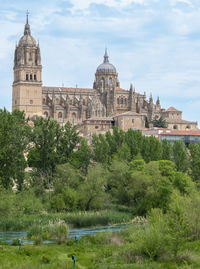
{"x": 27, "y": 40}
{"x": 106, "y": 65}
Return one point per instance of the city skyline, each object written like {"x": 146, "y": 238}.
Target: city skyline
{"x": 155, "y": 46}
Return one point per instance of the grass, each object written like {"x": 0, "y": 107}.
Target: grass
{"x": 94, "y": 252}
{"x": 76, "y": 220}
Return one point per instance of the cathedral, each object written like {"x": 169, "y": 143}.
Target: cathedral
{"x": 93, "y": 110}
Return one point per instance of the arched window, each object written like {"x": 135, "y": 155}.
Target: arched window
{"x": 122, "y": 101}
{"x": 73, "y": 115}
{"x": 118, "y": 101}
{"x": 175, "y": 127}
{"x": 46, "y": 114}
{"x": 31, "y": 76}
{"x": 26, "y": 76}
{"x": 125, "y": 101}
{"x": 60, "y": 115}
{"x": 31, "y": 101}
{"x": 35, "y": 78}
{"x": 110, "y": 80}
{"x": 188, "y": 127}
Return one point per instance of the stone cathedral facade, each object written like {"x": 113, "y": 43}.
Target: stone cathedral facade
{"x": 94, "y": 109}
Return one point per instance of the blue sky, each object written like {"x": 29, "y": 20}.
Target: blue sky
{"x": 154, "y": 44}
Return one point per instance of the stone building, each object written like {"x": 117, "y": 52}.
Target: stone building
{"x": 94, "y": 109}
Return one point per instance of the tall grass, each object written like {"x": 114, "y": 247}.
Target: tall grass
{"x": 77, "y": 220}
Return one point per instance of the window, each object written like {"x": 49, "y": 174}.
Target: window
{"x": 84, "y": 102}
{"x": 73, "y": 115}
{"x": 43, "y": 101}
{"x": 175, "y": 127}
{"x": 31, "y": 76}
{"x": 188, "y": 127}
{"x": 110, "y": 80}
{"x": 46, "y": 113}
{"x": 31, "y": 101}
{"x": 118, "y": 101}
{"x": 35, "y": 78}
{"x": 96, "y": 127}
{"x": 26, "y": 76}
{"x": 60, "y": 115}
{"x": 15, "y": 102}
{"x": 125, "y": 100}
{"x": 133, "y": 121}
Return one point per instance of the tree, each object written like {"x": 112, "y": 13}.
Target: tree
{"x": 68, "y": 142}
{"x": 134, "y": 140}
{"x": 195, "y": 161}
{"x": 92, "y": 191}
{"x": 151, "y": 149}
{"x": 180, "y": 156}
{"x": 100, "y": 149}
{"x": 13, "y": 145}
{"x": 82, "y": 157}
{"x": 166, "y": 150}
{"x": 161, "y": 123}
{"x": 43, "y": 155}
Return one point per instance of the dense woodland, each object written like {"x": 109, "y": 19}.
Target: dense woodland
{"x": 123, "y": 171}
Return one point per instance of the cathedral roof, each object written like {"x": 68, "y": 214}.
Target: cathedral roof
{"x": 65, "y": 90}
{"x": 106, "y": 65}
{"x": 27, "y": 39}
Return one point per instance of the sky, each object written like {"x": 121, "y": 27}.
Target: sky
{"x": 154, "y": 44}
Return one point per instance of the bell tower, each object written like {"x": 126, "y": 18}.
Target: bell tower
{"x": 27, "y": 84}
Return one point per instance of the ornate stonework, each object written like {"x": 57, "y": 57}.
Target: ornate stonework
{"x": 93, "y": 110}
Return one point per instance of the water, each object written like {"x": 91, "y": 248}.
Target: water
{"x": 10, "y": 236}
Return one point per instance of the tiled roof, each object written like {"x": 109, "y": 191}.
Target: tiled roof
{"x": 173, "y": 109}
{"x": 180, "y": 121}
{"x": 193, "y": 132}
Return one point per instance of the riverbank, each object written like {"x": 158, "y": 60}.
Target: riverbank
{"x": 103, "y": 251}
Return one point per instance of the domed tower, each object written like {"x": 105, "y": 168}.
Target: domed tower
{"x": 106, "y": 75}
{"x": 27, "y": 85}
{"x": 106, "y": 80}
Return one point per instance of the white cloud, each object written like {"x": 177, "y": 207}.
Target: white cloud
{"x": 85, "y": 4}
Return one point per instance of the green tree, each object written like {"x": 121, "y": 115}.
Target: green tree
{"x": 124, "y": 152}
{"x": 82, "y": 157}
{"x": 68, "y": 142}
{"x": 151, "y": 149}
{"x": 43, "y": 155}
{"x": 195, "y": 161}
{"x": 134, "y": 140}
{"x": 166, "y": 150}
{"x": 180, "y": 156}
{"x": 100, "y": 149}
{"x": 161, "y": 122}
{"x": 92, "y": 191}
{"x": 13, "y": 145}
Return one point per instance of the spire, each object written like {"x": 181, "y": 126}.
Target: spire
{"x": 151, "y": 98}
{"x": 27, "y": 30}
{"x": 106, "y": 56}
{"x": 27, "y": 13}
{"x": 158, "y": 101}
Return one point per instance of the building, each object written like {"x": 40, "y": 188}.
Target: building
{"x": 94, "y": 109}
{"x": 188, "y": 136}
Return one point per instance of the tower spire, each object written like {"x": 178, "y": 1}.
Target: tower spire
{"x": 27, "y": 13}
{"x": 27, "y": 30}
{"x": 106, "y": 56}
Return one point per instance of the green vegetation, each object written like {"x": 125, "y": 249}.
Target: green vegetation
{"x": 112, "y": 180}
